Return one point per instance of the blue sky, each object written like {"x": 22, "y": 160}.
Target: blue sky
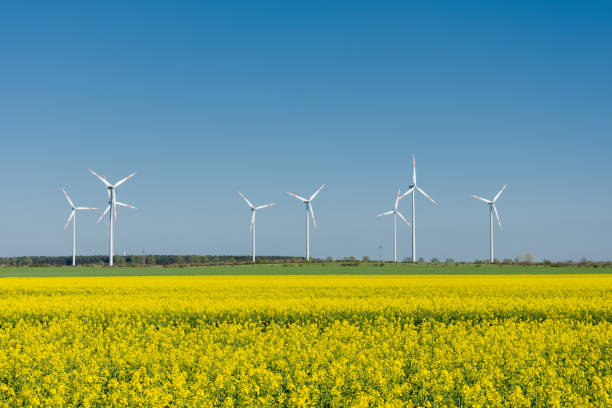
{"x": 268, "y": 97}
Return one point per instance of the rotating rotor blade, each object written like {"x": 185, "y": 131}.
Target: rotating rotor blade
{"x": 245, "y": 199}
{"x": 496, "y": 215}
{"x": 123, "y": 180}
{"x": 104, "y": 213}
{"x": 68, "y": 198}
{"x": 498, "y": 194}
{"x": 86, "y": 208}
{"x": 397, "y": 198}
{"x": 482, "y": 199}
{"x": 405, "y": 220}
{"x": 125, "y": 205}
{"x": 265, "y": 206}
{"x": 115, "y": 211}
{"x": 413, "y": 171}
{"x": 386, "y": 213}
{"x": 314, "y": 221}
{"x": 410, "y": 190}
{"x": 298, "y": 197}
{"x": 425, "y": 194}
{"x": 316, "y": 192}
{"x": 252, "y": 221}
{"x": 106, "y": 183}
{"x": 69, "y": 219}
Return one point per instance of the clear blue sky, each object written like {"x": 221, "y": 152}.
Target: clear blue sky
{"x": 269, "y": 97}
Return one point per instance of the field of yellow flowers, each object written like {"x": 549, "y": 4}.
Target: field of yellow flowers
{"x": 304, "y": 341}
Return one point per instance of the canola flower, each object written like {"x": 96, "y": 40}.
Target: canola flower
{"x": 307, "y": 341}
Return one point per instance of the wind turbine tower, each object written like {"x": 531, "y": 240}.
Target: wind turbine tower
{"x": 253, "y": 211}
{"x": 308, "y": 208}
{"x": 412, "y": 190}
{"x": 73, "y": 219}
{"x": 492, "y": 209}
{"x": 112, "y": 207}
{"x": 395, "y": 213}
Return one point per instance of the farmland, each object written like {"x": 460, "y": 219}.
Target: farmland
{"x": 394, "y": 337}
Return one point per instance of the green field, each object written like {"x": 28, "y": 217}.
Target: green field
{"x": 336, "y": 268}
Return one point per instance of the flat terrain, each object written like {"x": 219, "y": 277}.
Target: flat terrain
{"x": 524, "y": 339}
{"x": 335, "y": 268}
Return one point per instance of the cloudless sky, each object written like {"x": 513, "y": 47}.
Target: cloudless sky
{"x": 203, "y": 99}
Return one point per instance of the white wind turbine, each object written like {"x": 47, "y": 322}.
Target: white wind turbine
{"x": 395, "y": 213}
{"x": 411, "y": 190}
{"x": 492, "y": 209}
{"x": 253, "y": 211}
{"x": 73, "y": 219}
{"x": 308, "y": 208}
{"x": 112, "y": 204}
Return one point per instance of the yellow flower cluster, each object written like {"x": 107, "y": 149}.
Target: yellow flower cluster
{"x": 307, "y": 341}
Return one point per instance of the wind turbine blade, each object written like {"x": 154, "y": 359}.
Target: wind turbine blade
{"x": 385, "y": 213}
{"x": 86, "y": 208}
{"x": 413, "y": 171}
{"x": 120, "y": 182}
{"x": 314, "y": 221}
{"x": 298, "y": 197}
{"x": 252, "y": 221}
{"x": 496, "y": 215}
{"x": 316, "y": 192}
{"x": 397, "y": 198}
{"x": 425, "y": 194}
{"x": 68, "y": 198}
{"x": 125, "y": 205}
{"x": 69, "y": 219}
{"x": 245, "y": 199}
{"x": 265, "y": 206}
{"x": 410, "y": 190}
{"x": 106, "y": 183}
{"x": 482, "y": 199}
{"x": 115, "y": 210}
{"x": 104, "y": 213}
{"x": 500, "y": 191}
{"x": 405, "y": 220}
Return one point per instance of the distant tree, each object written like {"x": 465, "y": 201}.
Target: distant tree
{"x": 435, "y": 260}
{"x": 407, "y": 259}
{"x": 366, "y": 258}
{"x": 330, "y": 259}
{"x": 421, "y": 260}
{"x": 529, "y": 258}
{"x": 27, "y": 261}
{"x": 496, "y": 261}
{"x": 193, "y": 259}
{"x": 507, "y": 261}
{"x": 449, "y": 261}
{"x": 151, "y": 260}
{"x": 547, "y": 262}
{"x": 583, "y": 260}
{"x": 179, "y": 260}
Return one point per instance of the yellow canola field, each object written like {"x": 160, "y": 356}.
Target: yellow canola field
{"x": 303, "y": 341}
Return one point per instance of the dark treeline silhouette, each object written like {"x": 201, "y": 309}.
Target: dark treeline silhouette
{"x": 185, "y": 260}
{"x": 141, "y": 260}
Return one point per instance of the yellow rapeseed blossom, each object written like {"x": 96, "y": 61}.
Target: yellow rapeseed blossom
{"x": 307, "y": 341}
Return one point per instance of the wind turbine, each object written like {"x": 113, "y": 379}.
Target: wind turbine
{"x": 253, "y": 211}
{"x": 308, "y": 208}
{"x": 492, "y": 209}
{"x": 73, "y": 219}
{"x": 112, "y": 203}
{"x": 412, "y": 189}
{"x": 395, "y": 213}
